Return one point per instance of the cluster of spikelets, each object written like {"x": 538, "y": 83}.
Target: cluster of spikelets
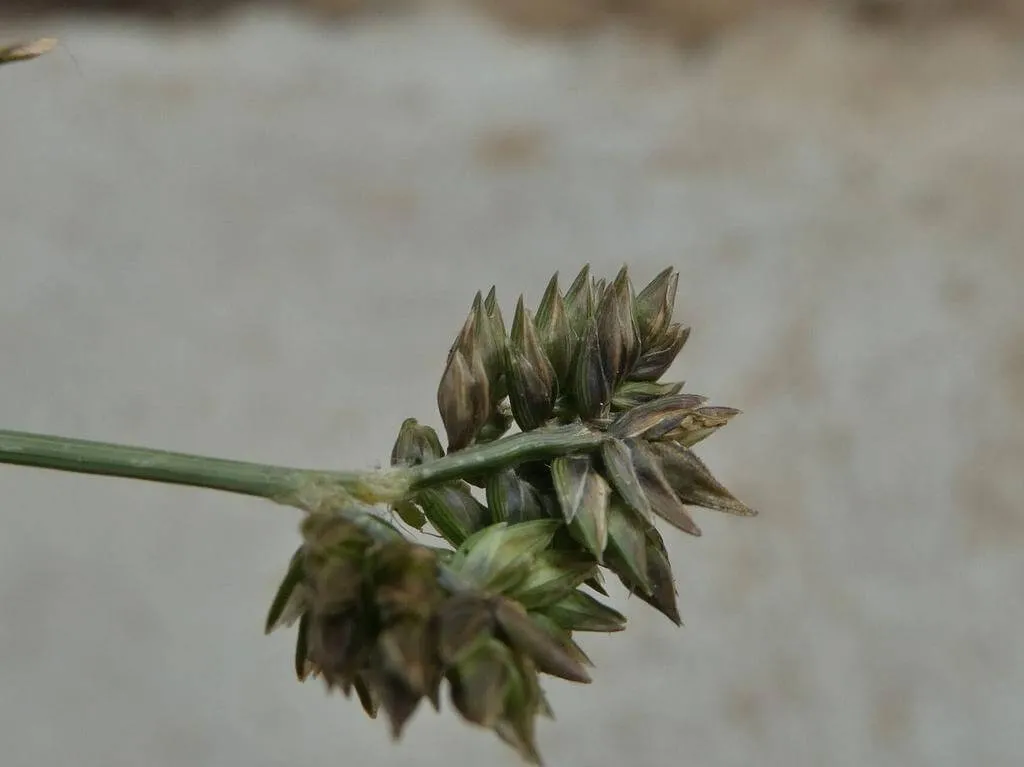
{"x": 393, "y": 619}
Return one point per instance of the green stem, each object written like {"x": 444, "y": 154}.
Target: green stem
{"x": 86, "y": 457}
{"x": 305, "y": 489}
{"x": 546, "y": 442}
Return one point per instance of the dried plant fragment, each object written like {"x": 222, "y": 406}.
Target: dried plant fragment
{"x": 27, "y": 51}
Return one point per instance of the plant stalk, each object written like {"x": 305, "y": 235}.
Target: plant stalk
{"x": 114, "y": 460}
{"x": 539, "y": 444}
{"x": 310, "y": 490}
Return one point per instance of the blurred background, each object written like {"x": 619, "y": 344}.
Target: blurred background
{"x": 253, "y": 230}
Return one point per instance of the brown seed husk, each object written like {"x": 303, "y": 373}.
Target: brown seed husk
{"x": 693, "y": 482}
{"x": 653, "y": 420}
{"x": 664, "y": 502}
